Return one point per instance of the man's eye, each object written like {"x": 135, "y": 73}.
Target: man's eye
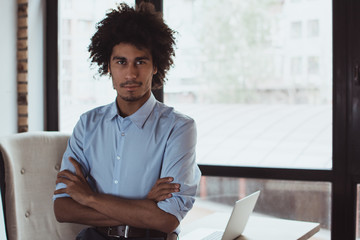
{"x": 121, "y": 62}
{"x": 140, "y": 62}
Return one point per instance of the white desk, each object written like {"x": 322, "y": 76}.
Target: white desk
{"x": 257, "y": 228}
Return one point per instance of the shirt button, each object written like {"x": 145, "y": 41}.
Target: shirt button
{"x": 122, "y": 134}
{"x": 118, "y": 157}
{"x": 116, "y": 181}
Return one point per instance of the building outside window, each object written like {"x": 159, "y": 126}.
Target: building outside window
{"x": 296, "y": 66}
{"x": 313, "y": 65}
{"x": 239, "y": 73}
{"x": 313, "y": 28}
{"x": 296, "y": 29}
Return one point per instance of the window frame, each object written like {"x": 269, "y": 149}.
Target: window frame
{"x": 344, "y": 175}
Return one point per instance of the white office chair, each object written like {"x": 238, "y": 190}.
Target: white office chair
{"x": 31, "y": 162}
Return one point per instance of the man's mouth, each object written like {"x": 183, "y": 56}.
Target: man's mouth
{"x": 130, "y": 85}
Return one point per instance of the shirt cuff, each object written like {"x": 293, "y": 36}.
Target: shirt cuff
{"x": 59, "y": 186}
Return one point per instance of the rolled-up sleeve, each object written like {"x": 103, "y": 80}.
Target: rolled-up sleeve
{"x": 180, "y": 163}
{"x": 74, "y": 149}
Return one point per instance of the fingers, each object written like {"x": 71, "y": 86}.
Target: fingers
{"x": 163, "y": 189}
{"x": 60, "y": 191}
{"x": 77, "y": 166}
{"x": 164, "y": 180}
{"x": 76, "y": 185}
{"x": 163, "y": 197}
{"x": 63, "y": 180}
{"x": 166, "y": 193}
{"x": 66, "y": 174}
{"x": 168, "y": 188}
{"x": 165, "y": 186}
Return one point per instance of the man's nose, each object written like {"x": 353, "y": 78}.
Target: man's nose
{"x": 131, "y": 72}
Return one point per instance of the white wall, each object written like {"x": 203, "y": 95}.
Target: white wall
{"x": 36, "y": 43}
{"x": 7, "y": 78}
{"x": 36, "y": 71}
{"x": 36, "y": 64}
{"x": 8, "y": 108}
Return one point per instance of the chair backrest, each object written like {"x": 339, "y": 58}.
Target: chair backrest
{"x": 31, "y": 163}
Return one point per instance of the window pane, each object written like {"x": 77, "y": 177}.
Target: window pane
{"x": 296, "y": 29}
{"x": 257, "y": 78}
{"x": 80, "y": 87}
{"x": 313, "y": 28}
{"x": 293, "y": 200}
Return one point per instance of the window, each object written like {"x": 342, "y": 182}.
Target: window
{"x": 278, "y": 198}
{"x": 296, "y": 66}
{"x": 230, "y": 69}
{"x": 66, "y": 27}
{"x": 344, "y": 52}
{"x": 78, "y": 82}
{"x": 296, "y": 29}
{"x": 67, "y": 4}
{"x": 313, "y": 28}
{"x": 241, "y": 78}
{"x": 313, "y": 65}
{"x": 66, "y": 47}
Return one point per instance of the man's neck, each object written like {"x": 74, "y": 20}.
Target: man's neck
{"x": 127, "y": 108}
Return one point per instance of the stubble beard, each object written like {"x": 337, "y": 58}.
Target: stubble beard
{"x": 131, "y": 98}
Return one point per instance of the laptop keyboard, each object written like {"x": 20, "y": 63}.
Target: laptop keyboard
{"x": 214, "y": 236}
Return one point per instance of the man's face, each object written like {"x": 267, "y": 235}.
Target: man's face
{"x": 132, "y": 71}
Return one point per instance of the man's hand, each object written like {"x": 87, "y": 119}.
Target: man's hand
{"x": 163, "y": 189}
{"x": 77, "y": 186}
{"x": 110, "y": 210}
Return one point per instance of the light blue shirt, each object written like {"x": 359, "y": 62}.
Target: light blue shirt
{"x": 126, "y": 156}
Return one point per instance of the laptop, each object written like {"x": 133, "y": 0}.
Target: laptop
{"x": 236, "y": 224}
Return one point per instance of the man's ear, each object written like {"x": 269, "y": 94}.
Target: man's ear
{"x": 155, "y": 70}
{"x": 110, "y": 76}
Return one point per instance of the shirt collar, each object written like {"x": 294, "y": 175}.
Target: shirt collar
{"x": 141, "y": 115}
{"x": 113, "y": 110}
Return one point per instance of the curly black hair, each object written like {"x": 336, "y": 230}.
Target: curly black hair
{"x": 144, "y": 28}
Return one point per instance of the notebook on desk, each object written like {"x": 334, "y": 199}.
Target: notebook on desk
{"x": 235, "y": 225}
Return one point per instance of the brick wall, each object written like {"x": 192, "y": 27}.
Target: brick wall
{"x": 22, "y": 65}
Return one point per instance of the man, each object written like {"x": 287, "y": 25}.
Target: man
{"x": 129, "y": 168}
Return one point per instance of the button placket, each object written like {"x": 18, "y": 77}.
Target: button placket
{"x": 118, "y": 157}
{"x": 123, "y": 124}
